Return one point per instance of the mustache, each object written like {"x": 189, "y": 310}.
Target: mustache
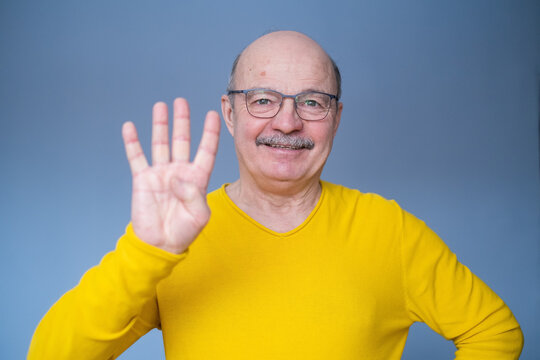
{"x": 285, "y": 141}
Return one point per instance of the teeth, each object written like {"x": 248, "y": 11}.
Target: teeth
{"x": 282, "y": 146}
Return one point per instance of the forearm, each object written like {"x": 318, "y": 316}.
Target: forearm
{"x": 113, "y": 305}
{"x": 498, "y": 336}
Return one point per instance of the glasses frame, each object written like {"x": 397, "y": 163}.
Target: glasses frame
{"x": 283, "y": 96}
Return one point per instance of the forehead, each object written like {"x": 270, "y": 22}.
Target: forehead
{"x": 288, "y": 64}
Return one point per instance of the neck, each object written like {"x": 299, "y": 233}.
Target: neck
{"x": 281, "y": 208}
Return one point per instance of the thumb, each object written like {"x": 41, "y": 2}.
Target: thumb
{"x": 192, "y": 198}
{"x": 184, "y": 191}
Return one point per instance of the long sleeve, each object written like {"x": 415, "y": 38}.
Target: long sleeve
{"x": 450, "y": 299}
{"x": 113, "y": 305}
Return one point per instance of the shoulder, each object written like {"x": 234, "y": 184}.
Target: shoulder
{"x": 374, "y": 211}
{"x": 342, "y": 198}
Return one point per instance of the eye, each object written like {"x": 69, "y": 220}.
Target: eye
{"x": 311, "y": 103}
{"x": 312, "y": 100}
{"x": 262, "y": 101}
{"x": 262, "y": 98}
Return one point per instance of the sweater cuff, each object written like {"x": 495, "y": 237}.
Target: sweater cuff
{"x": 146, "y": 255}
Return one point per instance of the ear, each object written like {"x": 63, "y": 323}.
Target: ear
{"x": 337, "y": 118}
{"x": 227, "y": 111}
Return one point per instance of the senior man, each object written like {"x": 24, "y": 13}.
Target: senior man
{"x": 287, "y": 266}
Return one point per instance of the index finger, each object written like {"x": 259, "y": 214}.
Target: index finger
{"x": 206, "y": 153}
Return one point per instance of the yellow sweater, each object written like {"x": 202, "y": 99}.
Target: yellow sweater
{"x": 346, "y": 284}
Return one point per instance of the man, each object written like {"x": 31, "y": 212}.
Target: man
{"x": 287, "y": 266}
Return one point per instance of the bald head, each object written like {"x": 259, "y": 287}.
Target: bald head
{"x": 285, "y": 49}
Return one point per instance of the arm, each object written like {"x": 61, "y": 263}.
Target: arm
{"x": 451, "y": 300}
{"x": 114, "y": 303}
{"x": 112, "y": 306}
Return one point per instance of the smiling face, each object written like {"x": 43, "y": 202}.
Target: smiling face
{"x": 283, "y": 150}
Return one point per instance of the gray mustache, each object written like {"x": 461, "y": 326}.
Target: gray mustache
{"x": 282, "y": 140}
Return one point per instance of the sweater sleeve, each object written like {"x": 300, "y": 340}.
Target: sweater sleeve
{"x": 112, "y": 306}
{"x": 451, "y": 300}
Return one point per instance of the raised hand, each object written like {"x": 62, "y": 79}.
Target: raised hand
{"x": 169, "y": 206}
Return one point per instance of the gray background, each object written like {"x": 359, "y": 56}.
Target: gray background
{"x": 440, "y": 113}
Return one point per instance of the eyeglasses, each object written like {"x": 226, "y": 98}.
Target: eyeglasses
{"x": 265, "y": 103}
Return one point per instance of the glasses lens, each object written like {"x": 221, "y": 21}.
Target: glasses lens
{"x": 313, "y": 106}
{"x": 263, "y": 103}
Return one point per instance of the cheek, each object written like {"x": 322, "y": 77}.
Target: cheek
{"x": 247, "y": 130}
{"x": 323, "y": 134}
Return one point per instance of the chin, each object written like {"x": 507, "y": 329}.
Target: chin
{"x": 285, "y": 173}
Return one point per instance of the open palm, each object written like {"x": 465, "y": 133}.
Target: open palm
{"x": 169, "y": 206}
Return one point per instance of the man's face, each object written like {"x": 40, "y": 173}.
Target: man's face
{"x": 290, "y": 64}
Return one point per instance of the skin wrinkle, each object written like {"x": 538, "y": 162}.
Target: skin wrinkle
{"x": 135, "y": 156}
{"x": 208, "y": 150}
{"x": 209, "y": 131}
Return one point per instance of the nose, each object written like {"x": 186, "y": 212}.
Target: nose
{"x": 287, "y": 120}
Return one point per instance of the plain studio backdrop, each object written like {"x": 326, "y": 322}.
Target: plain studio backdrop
{"x": 441, "y": 110}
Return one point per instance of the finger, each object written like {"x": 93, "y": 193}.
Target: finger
{"x": 137, "y": 160}
{"x": 206, "y": 153}
{"x": 160, "y": 134}
{"x": 181, "y": 136}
